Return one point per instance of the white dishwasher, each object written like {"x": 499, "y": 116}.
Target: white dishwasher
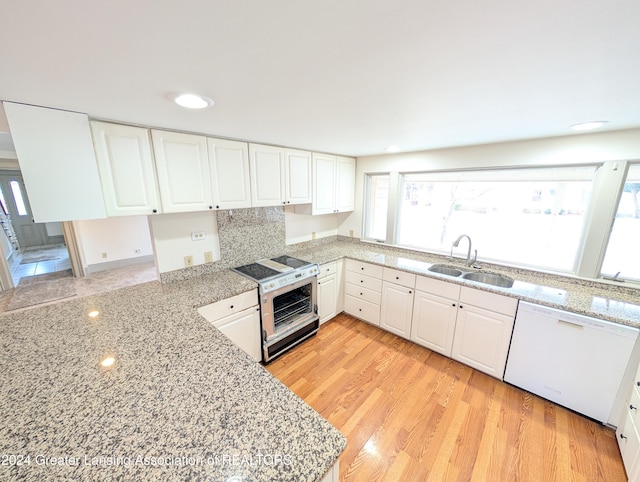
{"x": 573, "y": 360}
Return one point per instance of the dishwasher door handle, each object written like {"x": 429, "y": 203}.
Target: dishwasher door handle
{"x": 571, "y": 324}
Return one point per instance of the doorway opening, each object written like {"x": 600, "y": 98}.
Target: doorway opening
{"x": 31, "y": 249}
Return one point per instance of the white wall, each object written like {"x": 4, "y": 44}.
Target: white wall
{"x": 117, "y": 237}
{"x": 54, "y": 229}
{"x": 301, "y": 226}
{"x": 172, "y": 238}
{"x": 585, "y": 148}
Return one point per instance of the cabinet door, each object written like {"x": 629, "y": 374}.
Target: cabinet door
{"x": 229, "y": 166}
{"x": 297, "y": 177}
{"x": 183, "y": 171}
{"x": 345, "y": 184}
{"x": 127, "y": 173}
{"x": 327, "y": 298}
{"x": 396, "y": 308}
{"x": 267, "y": 175}
{"x": 434, "y": 322}
{"x": 482, "y": 339}
{"x": 58, "y": 162}
{"x": 324, "y": 176}
{"x": 243, "y": 329}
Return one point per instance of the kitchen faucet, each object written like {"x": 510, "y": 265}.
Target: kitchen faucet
{"x": 455, "y": 244}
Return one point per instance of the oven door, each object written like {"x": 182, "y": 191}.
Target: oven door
{"x": 289, "y": 315}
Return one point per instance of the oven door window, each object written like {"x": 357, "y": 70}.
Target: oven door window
{"x": 291, "y": 306}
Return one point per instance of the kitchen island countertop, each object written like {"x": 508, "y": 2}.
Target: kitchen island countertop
{"x": 180, "y": 401}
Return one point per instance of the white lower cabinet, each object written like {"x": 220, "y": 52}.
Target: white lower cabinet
{"x": 627, "y": 430}
{"x": 483, "y": 330}
{"x": 333, "y": 474}
{"x": 238, "y": 318}
{"x": 469, "y": 325}
{"x": 362, "y": 292}
{"x": 397, "y": 302}
{"x": 328, "y": 291}
{"x": 434, "y": 322}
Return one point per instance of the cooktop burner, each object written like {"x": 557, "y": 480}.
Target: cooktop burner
{"x": 256, "y": 271}
{"x": 284, "y": 268}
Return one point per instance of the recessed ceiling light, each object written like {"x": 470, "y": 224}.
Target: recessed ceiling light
{"x": 191, "y": 101}
{"x": 393, "y": 148}
{"x": 93, "y": 313}
{"x": 588, "y": 126}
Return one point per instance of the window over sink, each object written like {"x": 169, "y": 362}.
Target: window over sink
{"x": 521, "y": 216}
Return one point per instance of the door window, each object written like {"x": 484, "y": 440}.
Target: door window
{"x": 18, "y": 198}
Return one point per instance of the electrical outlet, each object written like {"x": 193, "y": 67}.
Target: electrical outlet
{"x": 208, "y": 257}
{"x": 313, "y": 235}
{"x": 198, "y": 236}
{"x": 104, "y": 255}
{"x": 137, "y": 251}
{"x": 188, "y": 261}
{"x": 351, "y": 233}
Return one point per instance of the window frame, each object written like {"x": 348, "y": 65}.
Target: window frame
{"x": 608, "y": 183}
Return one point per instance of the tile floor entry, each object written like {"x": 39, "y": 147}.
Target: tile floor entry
{"x": 50, "y": 280}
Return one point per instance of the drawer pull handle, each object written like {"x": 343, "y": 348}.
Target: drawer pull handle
{"x": 631, "y": 407}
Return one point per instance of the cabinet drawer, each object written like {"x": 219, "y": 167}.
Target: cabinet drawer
{"x": 399, "y": 277}
{"x": 489, "y": 301}
{"x": 364, "y": 268}
{"x": 364, "y": 281}
{"x": 364, "y": 310}
{"x": 229, "y": 306}
{"x": 327, "y": 269}
{"x": 362, "y": 293}
{"x": 438, "y": 287}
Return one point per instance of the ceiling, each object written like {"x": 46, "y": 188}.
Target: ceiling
{"x": 343, "y": 76}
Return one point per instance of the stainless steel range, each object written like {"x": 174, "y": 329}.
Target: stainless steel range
{"x": 288, "y": 308}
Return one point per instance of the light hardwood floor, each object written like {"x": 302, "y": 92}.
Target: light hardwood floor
{"x": 410, "y": 414}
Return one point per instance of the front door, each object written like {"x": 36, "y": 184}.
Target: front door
{"x": 14, "y": 198}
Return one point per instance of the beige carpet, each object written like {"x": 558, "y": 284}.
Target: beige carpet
{"x": 43, "y": 292}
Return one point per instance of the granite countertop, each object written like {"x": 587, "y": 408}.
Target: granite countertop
{"x": 181, "y": 402}
{"x": 601, "y": 300}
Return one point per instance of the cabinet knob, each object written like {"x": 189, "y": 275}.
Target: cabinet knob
{"x": 217, "y": 207}
{"x": 361, "y": 281}
{"x": 360, "y": 294}
{"x": 397, "y": 277}
{"x": 631, "y": 407}
{"x": 453, "y": 304}
{"x": 288, "y": 202}
{"x": 461, "y": 306}
{"x": 623, "y": 436}
{"x": 410, "y": 291}
{"x": 231, "y": 306}
{"x": 210, "y": 207}
{"x": 154, "y": 211}
{"x": 638, "y": 383}
{"x": 359, "y": 309}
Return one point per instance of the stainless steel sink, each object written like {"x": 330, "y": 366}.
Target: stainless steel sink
{"x": 445, "y": 269}
{"x": 490, "y": 279}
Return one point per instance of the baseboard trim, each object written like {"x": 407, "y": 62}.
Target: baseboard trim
{"x": 119, "y": 263}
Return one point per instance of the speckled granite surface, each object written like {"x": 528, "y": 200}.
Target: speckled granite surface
{"x": 605, "y": 301}
{"x": 181, "y": 402}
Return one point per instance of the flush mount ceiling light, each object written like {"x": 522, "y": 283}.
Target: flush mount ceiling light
{"x": 588, "y": 126}
{"x": 191, "y": 101}
{"x": 392, "y": 149}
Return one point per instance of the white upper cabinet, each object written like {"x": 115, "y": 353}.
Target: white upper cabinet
{"x": 267, "y": 175}
{"x": 345, "y": 184}
{"x": 126, "y": 169}
{"x": 183, "y": 171}
{"x": 333, "y": 184}
{"x": 58, "y": 163}
{"x": 297, "y": 176}
{"x": 230, "y": 180}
